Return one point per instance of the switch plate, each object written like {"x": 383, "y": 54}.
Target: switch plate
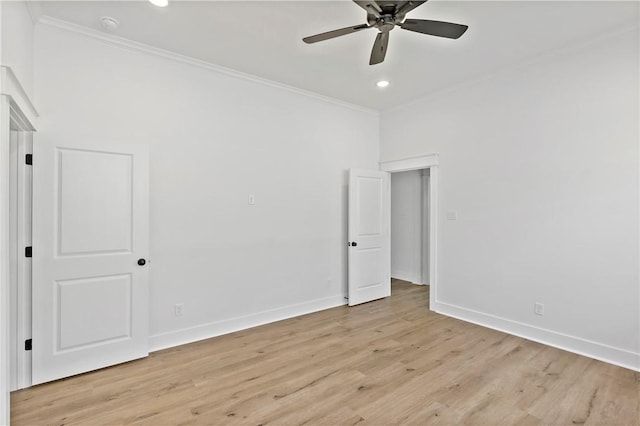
{"x": 252, "y": 199}
{"x": 538, "y": 308}
{"x": 178, "y": 309}
{"x": 452, "y": 215}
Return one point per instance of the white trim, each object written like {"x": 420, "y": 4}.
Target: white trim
{"x": 5, "y": 306}
{"x": 35, "y": 11}
{"x": 19, "y": 284}
{"x": 10, "y": 116}
{"x": 21, "y": 307}
{"x": 131, "y": 45}
{"x": 430, "y": 162}
{"x": 218, "y": 328}
{"x": 425, "y": 222}
{"x": 411, "y": 163}
{"x": 433, "y": 235}
{"x": 14, "y": 141}
{"x": 23, "y": 111}
{"x": 563, "y": 341}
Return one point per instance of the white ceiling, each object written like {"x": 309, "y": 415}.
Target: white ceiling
{"x": 263, "y": 38}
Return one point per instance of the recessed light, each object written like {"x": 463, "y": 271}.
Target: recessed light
{"x": 109, "y": 24}
{"x": 382, "y": 83}
{"x": 159, "y": 3}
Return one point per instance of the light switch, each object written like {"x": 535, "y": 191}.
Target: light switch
{"x": 252, "y": 199}
{"x": 452, "y": 215}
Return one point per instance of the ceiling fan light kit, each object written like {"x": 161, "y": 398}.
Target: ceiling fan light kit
{"x": 385, "y": 16}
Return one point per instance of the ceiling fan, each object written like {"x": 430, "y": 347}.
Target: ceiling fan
{"x": 385, "y": 16}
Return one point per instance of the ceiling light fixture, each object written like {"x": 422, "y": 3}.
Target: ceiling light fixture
{"x": 159, "y": 3}
{"x": 382, "y": 83}
{"x": 109, "y": 24}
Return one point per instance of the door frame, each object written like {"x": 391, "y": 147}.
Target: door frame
{"x": 17, "y": 113}
{"x": 430, "y": 162}
{"x": 425, "y": 191}
{"x": 20, "y": 269}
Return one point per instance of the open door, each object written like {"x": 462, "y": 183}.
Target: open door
{"x": 90, "y": 243}
{"x": 369, "y": 241}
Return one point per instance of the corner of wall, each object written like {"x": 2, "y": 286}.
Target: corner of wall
{"x": 562, "y": 341}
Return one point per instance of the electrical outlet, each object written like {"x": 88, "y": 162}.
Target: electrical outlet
{"x": 538, "y": 308}
{"x": 252, "y": 200}
{"x": 178, "y": 309}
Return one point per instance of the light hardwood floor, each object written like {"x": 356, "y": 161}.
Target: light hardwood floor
{"x": 385, "y": 362}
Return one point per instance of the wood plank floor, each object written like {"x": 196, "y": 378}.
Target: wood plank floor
{"x": 385, "y": 362}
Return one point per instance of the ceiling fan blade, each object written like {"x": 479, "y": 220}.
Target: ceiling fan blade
{"x": 335, "y": 33}
{"x": 379, "y": 48}
{"x": 408, "y": 6}
{"x": 435, "y": 28}
{"x": 370, "y": 6}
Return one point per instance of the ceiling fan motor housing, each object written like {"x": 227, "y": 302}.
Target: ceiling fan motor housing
{"x": 385, "y": 23}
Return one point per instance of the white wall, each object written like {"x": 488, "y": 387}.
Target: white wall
{"x": 541, "y": 164}
{"x": 17, "y": 42}
{"x": 406, "y": 226}
{"x": 215, "y": 139}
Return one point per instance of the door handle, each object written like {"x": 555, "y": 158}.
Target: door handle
{"x": 354, "y": 244}
{"x": 141, "y": 262}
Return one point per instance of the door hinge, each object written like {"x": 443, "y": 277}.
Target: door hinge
{"x": 28, "y": 251}
{"x": 29, "y": 159}
{"x": 27, "y": 345}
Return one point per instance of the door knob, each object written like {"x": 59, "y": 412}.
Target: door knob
{"x": 354, "y": 244}
{"x": 141, "y": 262}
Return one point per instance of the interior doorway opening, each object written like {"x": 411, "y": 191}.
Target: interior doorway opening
{"x": 410, "y": 226}
{"x": 428, "y": 164}
{"x": 16, "y": 130}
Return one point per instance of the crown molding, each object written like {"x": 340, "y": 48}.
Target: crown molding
{"x": 135, "y": 46}
{"x": 541, "y": 58}
{"x": 35, "y": 11}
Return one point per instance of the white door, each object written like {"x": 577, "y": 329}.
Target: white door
{"x": 369, "y": 242}
{"x": 90, "y": 244}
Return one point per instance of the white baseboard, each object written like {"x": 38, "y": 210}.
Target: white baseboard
{"x": 573, "y": 344}
{"x": 218, "y": 328}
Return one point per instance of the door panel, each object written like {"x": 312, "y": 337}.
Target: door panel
{"x": 104, "y": 302}
{"x": 90, "y": 296}
{"x": 94, "y": 213}
{"x": 369, "y": 242}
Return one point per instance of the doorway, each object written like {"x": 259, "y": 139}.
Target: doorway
{"x": 15, "y": 132}
{"x": 424, "y": 188}
{"x": 410, "y": 226}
